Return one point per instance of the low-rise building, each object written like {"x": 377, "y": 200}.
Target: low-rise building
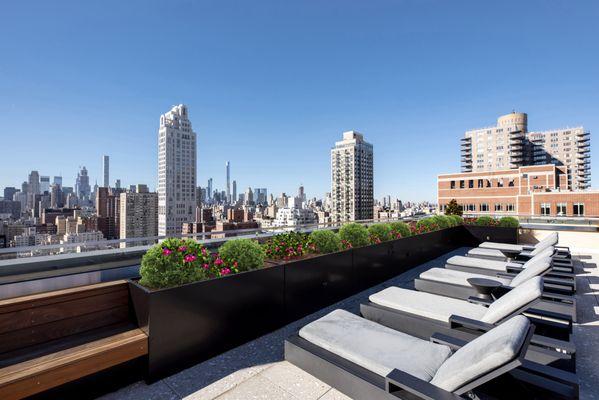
{"x": 526, "y": 191}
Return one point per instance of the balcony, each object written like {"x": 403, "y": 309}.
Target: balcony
{"x": 235, "y": 348}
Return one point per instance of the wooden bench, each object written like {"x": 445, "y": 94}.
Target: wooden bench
{"x": 53, "y": 338}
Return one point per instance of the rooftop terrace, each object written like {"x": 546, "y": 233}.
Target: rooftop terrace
{"x": 257, "y": 369}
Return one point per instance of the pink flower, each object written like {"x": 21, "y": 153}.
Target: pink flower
{"x": 225, "y": 271}
{"x": 166, "y": 251}
{"x": 205, "y": 266}
{"x": 190, "y": 258}
{"x": 218, "y": 261}
{"x": 182, "y": 249}
{"x": 235, "y": 264}
{"x": 203, "y": 251}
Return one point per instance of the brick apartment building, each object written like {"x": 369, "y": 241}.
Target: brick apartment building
{"x": 539, "y": 190}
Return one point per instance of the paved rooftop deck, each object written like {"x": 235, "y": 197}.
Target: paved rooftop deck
{"x": 257, "y": 370}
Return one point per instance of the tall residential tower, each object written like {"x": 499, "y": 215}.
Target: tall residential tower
{"x": 509, "y": 145}
{"x": 352, "y": 178}
{"x": 176, "y": 171}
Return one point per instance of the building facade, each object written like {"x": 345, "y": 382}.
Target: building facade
{"x": 139, "y": 214}
{"x": 352, "y": 178}
{"x": 509, "y": 144}
{"x": 176, "y": 171}
{"x": 526, "y": 191}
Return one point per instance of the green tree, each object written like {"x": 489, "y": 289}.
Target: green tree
{"x": 453, "y": 208}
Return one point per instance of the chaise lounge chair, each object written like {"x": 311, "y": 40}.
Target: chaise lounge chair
{"x": 557, "y": 295}
{"x": 526, "y": 253}
{"x": 552, "y": 239}
{"x": 367, "y": 361}
{"x": 422, "y": 314}
{"x": 492, "y": 267}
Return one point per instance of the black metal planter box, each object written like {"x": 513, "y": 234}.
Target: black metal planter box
{"x": 193, "y": 322}
{"x": 317, "y": 282}
{"x": 479, "y": 234}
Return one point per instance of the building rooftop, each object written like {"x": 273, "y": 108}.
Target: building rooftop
{"x": 257, "y": 370}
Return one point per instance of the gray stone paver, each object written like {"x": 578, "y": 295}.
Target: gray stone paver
{"x": 257, "y": 370}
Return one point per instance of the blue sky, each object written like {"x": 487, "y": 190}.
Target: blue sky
{"x": 272, "y": 84}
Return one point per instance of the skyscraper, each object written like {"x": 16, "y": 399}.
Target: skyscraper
{"x": 228, "y": 166}
{"x": 82, "y": 187}
{"x": 176, "y": 171}
{"x": 209, "y": 190}
{"x": 234, "y": 199}
{"x": 57, "y": 180}
{"x": 33, "y": 188}
{"x": 352, "y": 178}
{"x": 510, "y": 145}
{"x": 106, "y": 169}
{"x": 44, "y": 184}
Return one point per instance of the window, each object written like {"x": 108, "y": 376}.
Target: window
{"x": 500, "y": 182}
{"x": 480, "y": 183}
{"x": 545, "y": 209}
{"x": 561, "y": 209}
{"x": 452, "y": 185}
{"x": 484, "y": 207}
{"x": 471, "y": 183}
{"x": 462, "y": 184}
{"x": 578, "y": 209}
{"x": 511, "y": 183}
{"x": 488, "y": 183}
{"x": 498, "y": 207}
{"x": 509, "y": 207}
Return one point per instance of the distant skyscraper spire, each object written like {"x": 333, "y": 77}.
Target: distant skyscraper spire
{"x": 228, "y": 166}
{"x": 106, "y": 169}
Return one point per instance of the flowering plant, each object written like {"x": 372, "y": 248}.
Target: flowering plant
{"x": 399, "y": 230}
{"x": 174, "y": 262}
{"x": 354, "y": 235}
{"x": 239, "y": 255}
{"x": 379, "y": 233}
{"x": 286, "y": 246}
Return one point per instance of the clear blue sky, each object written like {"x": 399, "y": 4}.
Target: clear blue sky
{"x": 272, "y": 84}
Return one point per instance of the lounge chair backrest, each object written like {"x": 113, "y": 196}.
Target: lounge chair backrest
{"x": 550, "y": 240}
{"x": 548, "y": 252}
{"x": 483, "y": 355}
{"x": 514, "y": 300}
{"x": 536, "y": 268}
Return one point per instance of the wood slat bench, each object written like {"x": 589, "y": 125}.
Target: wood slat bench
{"x": 53, "y": 338}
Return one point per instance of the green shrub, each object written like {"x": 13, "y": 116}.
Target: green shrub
{"x": 379, "y": 233}
{"x": 457, "y": 220}
{"x": 242, "y": 254}
{"x": 325, "y": 241}
{"x": 484, "y": 221}
{"x": 399, "y": 230}
{"x": 426, "y": 225}
{"x": 509, "y": 222}
{"x": 442, "y": 221}
{"x": 174, "y": 262}
{"x": 354, "y": 235}
{"x": 286, "y": 246}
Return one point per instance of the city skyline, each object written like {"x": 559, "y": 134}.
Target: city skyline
{"x": 282, "y": 104}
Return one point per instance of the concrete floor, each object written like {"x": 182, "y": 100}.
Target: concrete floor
{"x": 257, "y": 370}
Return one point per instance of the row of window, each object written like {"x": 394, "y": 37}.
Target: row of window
{"x": 562, "y": 209}
{"x": 481, "y": 183}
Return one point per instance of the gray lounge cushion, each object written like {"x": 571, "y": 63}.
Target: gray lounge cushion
{"x": 484, "y": 354}
{"x": 513, "y": 300}
{"x": 512, "y": 248}
{"x": 374, "y": 346}
{"x": 487, "y": 253}
{"x": 537, "y": 267}
{"x": 459, "y": 278}
{"x": 427, "y": 305}
{"x": 473, "y": 262}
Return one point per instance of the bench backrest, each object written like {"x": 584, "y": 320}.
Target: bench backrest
{"x": 37, "y": 319}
